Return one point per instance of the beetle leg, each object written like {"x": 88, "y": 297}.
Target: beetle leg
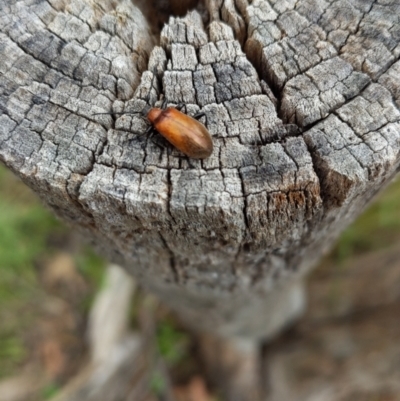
{"x": 189, "y": 162}
{"x": 140, "y": 134}
{"x": 179, "y": 106}
{"x": 162, "y": 147}
{"x": 148, "y": 131}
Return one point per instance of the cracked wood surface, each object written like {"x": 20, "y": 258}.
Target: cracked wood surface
{"x": 301, "y": 98}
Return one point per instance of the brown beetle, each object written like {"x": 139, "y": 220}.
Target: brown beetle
{"x": 187, "y": 134}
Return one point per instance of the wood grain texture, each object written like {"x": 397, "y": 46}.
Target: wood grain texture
{"x": 302, "y": 101}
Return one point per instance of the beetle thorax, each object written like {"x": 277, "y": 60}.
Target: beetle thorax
{"x": 153, "y": 114}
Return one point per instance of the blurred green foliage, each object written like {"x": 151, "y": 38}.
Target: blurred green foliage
{"x": 172, "y": 343}
{"x": 24, "y": 228}
{"x": 50, "y": 391}
{"x": 28, "y": 233}
{"x": 157, "y": 383}
{"x": 91, "y": 266}
{"x": 377, "y": 228}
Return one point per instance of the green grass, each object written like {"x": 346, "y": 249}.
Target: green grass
{"x": 157, "y": 383}
{"x": 172, "y": 343}
{"x": 377, "y": 228}
{"x": 50, "y": 390}
{"x": 92, "y": 267}
{"x": 23, "y": 234}
{"x": 24, "y": 229}
{"x": 29, "y": 233}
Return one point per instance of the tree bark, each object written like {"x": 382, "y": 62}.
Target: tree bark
{"x": 302, "y": 101}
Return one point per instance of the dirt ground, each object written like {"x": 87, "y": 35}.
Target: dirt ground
{"x": 347, "y": 347}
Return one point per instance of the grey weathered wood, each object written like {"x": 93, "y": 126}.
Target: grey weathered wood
{"x": 225, "y": 241}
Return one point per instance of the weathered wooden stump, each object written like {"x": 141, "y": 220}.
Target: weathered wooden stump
{"x": 301, "y": 98}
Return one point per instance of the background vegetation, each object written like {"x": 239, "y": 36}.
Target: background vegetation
{"x": 42, "y": 264}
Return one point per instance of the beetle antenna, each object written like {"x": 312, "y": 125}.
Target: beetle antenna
{"x": 143, "y": 112}
{"x": 112, "y": 113}
{"x": 164, "y": 103}
{"x": 199, "y": 115}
